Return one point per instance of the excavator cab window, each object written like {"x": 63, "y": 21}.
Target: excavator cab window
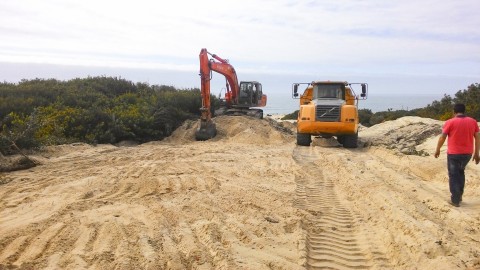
{"x": 257, "y": 94}
{"x": 246, "y": 93}
{"x": 245, "y": 89}
{"x": 250, "y": 93}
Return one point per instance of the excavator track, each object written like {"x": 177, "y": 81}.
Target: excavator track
{"x": 257, "y": 113}
{"x": 335, "y": 238}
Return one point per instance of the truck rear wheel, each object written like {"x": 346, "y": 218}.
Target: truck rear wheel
{"x": 350, "y": 141}
{"x": 304, "y": 139}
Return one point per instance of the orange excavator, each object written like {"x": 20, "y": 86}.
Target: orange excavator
{"x": 240, "y": 98}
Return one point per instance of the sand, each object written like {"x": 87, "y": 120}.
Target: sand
{"x": 247, "y": 199}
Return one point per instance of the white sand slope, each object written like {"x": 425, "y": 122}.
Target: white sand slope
{"x": 247, "y": 199}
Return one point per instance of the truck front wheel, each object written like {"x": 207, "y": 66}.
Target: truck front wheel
{"x": 304, "y": 139}
{"x": 350, "y": 141}
{"x": 340, "y": 139}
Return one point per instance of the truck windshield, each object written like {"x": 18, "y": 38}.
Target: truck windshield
{"x": 336, "y": 91}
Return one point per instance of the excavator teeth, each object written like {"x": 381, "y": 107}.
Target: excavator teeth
{"x": 206, "y": 130}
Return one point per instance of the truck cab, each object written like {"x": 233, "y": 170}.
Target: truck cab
{"x": 328, "y": 108}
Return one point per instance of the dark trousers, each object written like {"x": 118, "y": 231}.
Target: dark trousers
{"x": 456, "y": 175}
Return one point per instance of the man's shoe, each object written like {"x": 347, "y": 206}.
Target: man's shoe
{"x": 454, "y": 204}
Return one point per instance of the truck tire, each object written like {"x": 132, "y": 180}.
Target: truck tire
{"x": 350, "y": 141}
{"x": 304, "y": 139}
{"x": 340, "y": 139}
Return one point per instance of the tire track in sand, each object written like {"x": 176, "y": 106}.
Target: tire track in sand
{"x": 334, "y": 237}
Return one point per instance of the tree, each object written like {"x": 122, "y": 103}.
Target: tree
{"x": 471, "y": 98}
{"x": 364, "y": 115}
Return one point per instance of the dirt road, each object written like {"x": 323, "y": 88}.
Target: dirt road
{"x": 247, "y": 199}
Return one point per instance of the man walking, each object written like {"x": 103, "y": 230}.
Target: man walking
{"x": 462, "y": 132}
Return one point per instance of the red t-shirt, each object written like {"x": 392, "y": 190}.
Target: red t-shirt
{"x": 460, "y": 131}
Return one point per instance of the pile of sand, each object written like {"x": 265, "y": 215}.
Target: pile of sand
{"x": 403, "y": 134}
{"x": 238, "y": 129}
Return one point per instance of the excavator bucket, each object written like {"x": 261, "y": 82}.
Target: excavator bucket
{"x": 206, "y": 130}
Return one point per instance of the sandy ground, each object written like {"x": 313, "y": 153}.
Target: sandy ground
{"x": 247, "y": 199}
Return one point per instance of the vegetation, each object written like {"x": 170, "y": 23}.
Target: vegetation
{"x": 368, "y": 118}
{"x": 439, "y": 110}
{"x": 92, "y": 110}
{"x": 109, "y": 110}
{"x": 291, "y": 116}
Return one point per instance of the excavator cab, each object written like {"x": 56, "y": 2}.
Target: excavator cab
{"x": 250, "y": 94}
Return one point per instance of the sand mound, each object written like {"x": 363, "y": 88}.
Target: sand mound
{"x": 238, "y": 129}
{"x": 403, "y": 134}
{"x": 15, "y": 163}
{"x": 183, "y": 134}
{"x": 61, "y": 150}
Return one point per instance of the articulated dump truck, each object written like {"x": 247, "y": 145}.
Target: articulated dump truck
{"x": 327, "y": 109}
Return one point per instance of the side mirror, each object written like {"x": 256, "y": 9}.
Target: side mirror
{"x": 295, "y": 90}
{"x": 364, "y": 90}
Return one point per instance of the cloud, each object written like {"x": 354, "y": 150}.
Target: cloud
{"x": 272, "y": 36}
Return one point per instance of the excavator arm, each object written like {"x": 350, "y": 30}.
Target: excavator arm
{"x": 206, "y": 129}
{"x": 220, "y": 66}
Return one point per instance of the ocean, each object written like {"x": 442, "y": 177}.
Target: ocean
{"x": 376, "y": 103}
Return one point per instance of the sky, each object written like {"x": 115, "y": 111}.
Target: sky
{"x": 420, "y": 47}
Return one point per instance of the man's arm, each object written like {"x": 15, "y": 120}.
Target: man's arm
{"x": 476, "y": 156}
{"x": 441, "y": 141}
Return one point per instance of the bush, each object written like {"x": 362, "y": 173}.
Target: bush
{"x": 93, "y": 110}
{"x": 291, "y": 116}
{"x": 18, "y": 131}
